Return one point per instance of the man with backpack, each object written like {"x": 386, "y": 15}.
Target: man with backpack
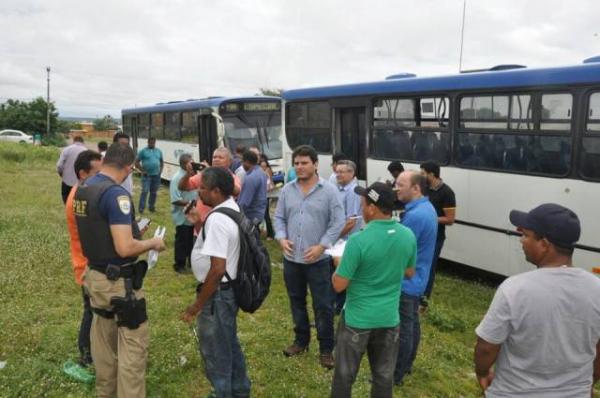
{"x": 215, "y": 258}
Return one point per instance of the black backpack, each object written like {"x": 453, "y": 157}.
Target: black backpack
{"x": 253, "y": 281}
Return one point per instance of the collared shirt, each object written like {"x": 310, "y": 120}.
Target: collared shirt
{"x": 66, "y": 162}
{"x": 374, "y": 262}
{"x": 150, "y": 159}
{"x": 352, "y": 205}
{"x": 177, "y": 195}
{"x": 253, "y": 197}
{"x": 420, "y": 216}
{"x": 308, "y": 220}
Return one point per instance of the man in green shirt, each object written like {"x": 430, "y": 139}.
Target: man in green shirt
{"x": 150, "y": 162}
{"x": 374, "y": 263}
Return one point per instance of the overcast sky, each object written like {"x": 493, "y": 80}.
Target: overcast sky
{"x": 113, "y": 54}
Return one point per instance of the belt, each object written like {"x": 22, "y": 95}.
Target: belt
{"x": 222, "y": 286}
{"x": 125, "y": 270}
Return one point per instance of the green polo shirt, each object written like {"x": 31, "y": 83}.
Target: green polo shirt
{"x": 374, "y": 261}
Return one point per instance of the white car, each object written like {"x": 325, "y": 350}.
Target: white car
{"x": 15, "y": 136}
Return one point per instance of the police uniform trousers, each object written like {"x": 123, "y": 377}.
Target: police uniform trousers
{"x": 120, "y": 354}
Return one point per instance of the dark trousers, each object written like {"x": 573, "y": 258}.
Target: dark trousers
{"x": 224, "y": 361}
{"x": 410, "y": 335}
{"x": 436, "y": 255}
{"x": 270, "y": 232}
{"x": 184, "y": 242}
{"x": 381, "y": 346}
{"x": 317, "y": 277}
{"x": 83, "y": 341}
{"x": 64, "y": 191}
{"x": 150, "y": 184}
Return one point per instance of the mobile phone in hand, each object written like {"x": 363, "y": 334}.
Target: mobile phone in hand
{"x": 143, "y": 223}
{"x": 189, "y": 206}
{"x": 198, "y": 166}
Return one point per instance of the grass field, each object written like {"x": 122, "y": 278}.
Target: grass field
{"x": 41, "y": 308}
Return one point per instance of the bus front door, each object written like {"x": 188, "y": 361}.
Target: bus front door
{"x": 207, "y": 130}
{"x": 351, "y": 137}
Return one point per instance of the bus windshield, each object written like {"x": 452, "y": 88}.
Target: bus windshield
{"x": 262, "y": 130}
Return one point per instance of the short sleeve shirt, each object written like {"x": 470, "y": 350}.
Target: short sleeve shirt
{"x": 178, "y": 195}
{"x": 442, "y": 197}
{"x": 222, "y": 240}
{"x": 114, "y": 205}
{"x": 150, "y": 159}
{"x": 548, "y": 324}
{"x": 374, "y": 261}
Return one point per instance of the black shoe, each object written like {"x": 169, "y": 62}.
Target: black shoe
{"x": 179, "y": 269}
{"x": 85, "y": 361}
{"x": 152, "y": 210}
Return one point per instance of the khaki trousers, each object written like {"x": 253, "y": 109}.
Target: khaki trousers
{"x": 120, "y": 354}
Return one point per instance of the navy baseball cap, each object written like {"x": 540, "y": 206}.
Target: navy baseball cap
{"x": 378, "y": 193}
{"x": 554, "y": 222}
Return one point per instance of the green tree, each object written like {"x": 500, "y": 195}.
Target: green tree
{"x": 106, "y": 123}
{"x": 29, "y": 117}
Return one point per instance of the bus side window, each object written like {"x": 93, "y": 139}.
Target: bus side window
{"x": 590, "y": 159}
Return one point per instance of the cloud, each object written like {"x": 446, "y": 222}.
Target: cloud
{"x": 110, "y": 55}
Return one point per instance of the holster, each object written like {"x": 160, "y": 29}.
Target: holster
{"x": 139, "y": 272}
{"x": 130, "y": 312}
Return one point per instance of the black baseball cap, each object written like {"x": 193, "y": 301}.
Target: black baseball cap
{"x": 554, "y": 222}
{"x": 378, "y": 193}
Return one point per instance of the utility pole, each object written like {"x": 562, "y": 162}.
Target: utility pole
{"x": 48, "y": 103}
{"x": 462, "y": 36}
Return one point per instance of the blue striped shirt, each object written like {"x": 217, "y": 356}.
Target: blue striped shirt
{"x": 308, "y": 220}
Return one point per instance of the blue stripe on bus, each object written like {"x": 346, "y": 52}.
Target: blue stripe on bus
{"x": 585, "y": 73}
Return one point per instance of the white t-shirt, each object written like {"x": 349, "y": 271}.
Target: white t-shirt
{"x": 240, "y": 172}
{"x": 222, "y": 240}
{"x": 128, "y": 184}
{"x": 548, "y": 323}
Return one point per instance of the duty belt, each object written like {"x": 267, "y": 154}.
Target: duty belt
{"x": 113, "y": 271}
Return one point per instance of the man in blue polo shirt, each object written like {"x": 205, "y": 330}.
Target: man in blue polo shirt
{"x": 420, "y": 216}
{"x": 150, "y": 162}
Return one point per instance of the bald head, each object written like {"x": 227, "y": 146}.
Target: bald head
{"x": 410, "y": 185}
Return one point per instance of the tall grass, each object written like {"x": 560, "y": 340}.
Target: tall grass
{"x": 40, "y": 309}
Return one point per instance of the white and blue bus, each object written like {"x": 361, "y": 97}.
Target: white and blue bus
{"x": 507, "y": 138}
{"x": 199, "y": 126}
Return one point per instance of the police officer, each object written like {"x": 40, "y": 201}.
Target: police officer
{"x": 111, "y": 241}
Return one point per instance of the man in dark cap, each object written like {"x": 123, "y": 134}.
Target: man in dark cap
{"x": 373, "y": 266}
{"x": 542, "y": 330}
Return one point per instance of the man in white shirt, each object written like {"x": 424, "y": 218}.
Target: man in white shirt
{"x": 542, "y": 330}
{"x": 216, "y": 252}
{"x": 65, "y": 164}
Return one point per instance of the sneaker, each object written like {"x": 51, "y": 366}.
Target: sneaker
{"x": 294, "y": 349}
{"x": 326, "y": 360}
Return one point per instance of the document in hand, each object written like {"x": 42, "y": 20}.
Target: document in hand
{"x": 153, "y": 254}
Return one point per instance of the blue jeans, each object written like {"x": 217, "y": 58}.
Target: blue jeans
{"x": 149, "y": 184}
{"x": 317, "y": 277}
{"x": 381, "y": 346}
{"x": 224, "y": 361}
{"x": 439, "y": 243}
{"x": 410, "y": 335}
